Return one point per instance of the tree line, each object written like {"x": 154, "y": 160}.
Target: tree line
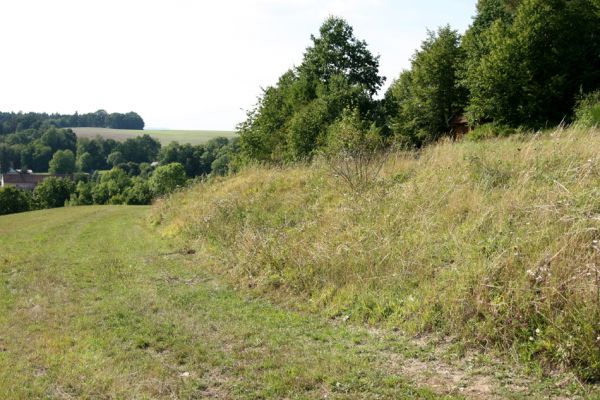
{"x": 104, "y": 171}
{"x": 522, "y": 64}
{"x": 11, "y": 122}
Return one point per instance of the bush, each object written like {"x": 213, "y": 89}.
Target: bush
{"x": 53, "y": 192}
{"x": 354, "y": 151}
{"x": 13, "y": 200}
{"x": 167, "y": 178}
{"x": 587, "y": 111}
{"x": 138, "y": 193}
{"x": 489, "y": 131}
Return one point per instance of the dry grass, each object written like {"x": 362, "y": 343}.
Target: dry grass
{"x": 494, "y": 241}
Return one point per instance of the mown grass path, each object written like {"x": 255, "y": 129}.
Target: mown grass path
{"x": 94, "y": 304}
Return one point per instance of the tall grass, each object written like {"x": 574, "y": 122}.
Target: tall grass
{"x": 496, "y": 242}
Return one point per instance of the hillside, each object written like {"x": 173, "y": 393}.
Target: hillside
{"x": 494, "y": 243}
{"x": 164, "y": 136}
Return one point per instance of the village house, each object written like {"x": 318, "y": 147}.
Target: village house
{"x": 24, "y": 180}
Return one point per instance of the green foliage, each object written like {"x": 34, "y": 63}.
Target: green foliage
{"x": 85, "y": 162}
{"x": 167, "y": 178}
{"x": 489, "y": 131}
{"x": 291, "y": 119}
{"x": 587, "y": 111}
{"x": 527, "y": 69}
{"x": 53, "y": 192}
{"x": 139, "y": 149}
{"x": 337, "y": 52}
{"x": 63, "y": 162}
{"x": 13, "y": 200}
{"x": 115, "y": 158}
{"x": 139, "y": 192}
{"x": 82, "y": 196}
{"x": 198, "y": 160}
{"x": 59, "y": 139}
{"x": 110, "y": 188}
{"x": 424, "y": 100}
{"x": 355, "y": 150}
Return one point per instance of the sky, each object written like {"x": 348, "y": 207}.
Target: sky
{"x": 188, "y": 64}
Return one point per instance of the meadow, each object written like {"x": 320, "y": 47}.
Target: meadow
{"x": 164, "y": 136}
{"x": 493, "y": 242}
{"x": 94, "y": 303}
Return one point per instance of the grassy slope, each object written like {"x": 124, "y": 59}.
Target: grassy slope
{"x": 164, "y": 136}
{"x": 494, "y": 242}
{"x": 94, "y": 304}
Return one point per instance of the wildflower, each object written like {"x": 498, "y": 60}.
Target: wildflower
{"x": 537, "y": 331}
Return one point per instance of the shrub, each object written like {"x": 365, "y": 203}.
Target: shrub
{"x": 587, "y": 111}
{"x": 13, "y": 200}
{"x": 53, "y": 192}
{"x": 355, "y": 152}
{"x": 167, "y": 178}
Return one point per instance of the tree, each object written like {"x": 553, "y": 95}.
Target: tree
{"x": 291, "y": 118}
{"x": 115, "y": 158}
{"x": 111, "y": 186}
{"x": 85, "y": 162}
{"x": 336, "y": 51}
{"x": 63, "y": 162}
{"x": 59, "y": 139}
{"x": 36, "y": 156}
{"x": 13, "y": 200}
{"x": 531, "y": 69}
{"x": 140, "y": 149}
{"x": 139, "y": 193}
{"x": 425, "y": 99}
{"x": 82, "y": 195}
{"x": 53, "y": 192}
{"x": 167, "y": 178}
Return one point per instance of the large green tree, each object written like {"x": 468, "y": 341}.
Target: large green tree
{"x": 167, "y": 178}
{"x": 291, "y": 118}
{"x": 63, "y": 162}
{"x": 424, "y": 99}
{"x": 527, "y": 68}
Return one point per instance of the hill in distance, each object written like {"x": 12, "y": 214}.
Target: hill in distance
{"x": 164, "y": 136}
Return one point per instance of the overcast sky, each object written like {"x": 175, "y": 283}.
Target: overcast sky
{"x": 185, "y": 64}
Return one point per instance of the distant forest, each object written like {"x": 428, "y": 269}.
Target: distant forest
{"x": 14, "y": 122}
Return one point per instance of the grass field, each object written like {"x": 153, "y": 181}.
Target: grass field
{"x": 93, "y": 304}
{"x": 164, "y": 136}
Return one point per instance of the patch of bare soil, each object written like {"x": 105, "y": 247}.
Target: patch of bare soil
{"x": 431, "y": 364}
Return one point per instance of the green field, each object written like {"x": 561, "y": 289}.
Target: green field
{"x": 164, "y": 136}
{"x": 95, "y": 304}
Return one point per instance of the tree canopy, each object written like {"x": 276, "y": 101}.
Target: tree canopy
{"x": 291, "y": 119}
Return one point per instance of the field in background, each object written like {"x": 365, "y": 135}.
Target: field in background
{"x": 164, "y": 136}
